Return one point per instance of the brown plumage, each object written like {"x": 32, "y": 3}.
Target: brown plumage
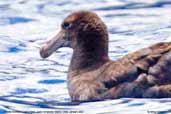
{"x": 92, "y": 76}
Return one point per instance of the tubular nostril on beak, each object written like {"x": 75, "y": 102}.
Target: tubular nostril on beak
{"x": 53, "y": 44}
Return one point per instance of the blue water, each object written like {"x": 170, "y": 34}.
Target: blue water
{"x": 29, "y": 83}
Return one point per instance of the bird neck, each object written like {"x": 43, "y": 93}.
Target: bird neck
{"x": 90, "y": 53}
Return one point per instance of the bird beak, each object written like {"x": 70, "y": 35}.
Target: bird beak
{"x": 53, "y": 44}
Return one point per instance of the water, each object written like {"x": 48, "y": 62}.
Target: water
{"x": 29, "y": 83}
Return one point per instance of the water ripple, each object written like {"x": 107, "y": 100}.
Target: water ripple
{"x": 52, "y": 81}
{"x": 29, "y": 83}
{"x": 24, "y": 91}
{"x": 14, "y": 20}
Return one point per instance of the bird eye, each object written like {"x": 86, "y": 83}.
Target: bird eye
{"x": 66, "y": 25}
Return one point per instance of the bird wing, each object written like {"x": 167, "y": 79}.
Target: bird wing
{"x": 131, "y": 66}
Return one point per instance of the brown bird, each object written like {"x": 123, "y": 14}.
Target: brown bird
{"x": 92, "y": 76}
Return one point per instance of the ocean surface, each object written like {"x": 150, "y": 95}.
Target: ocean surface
{"x": 30, "y": 84}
